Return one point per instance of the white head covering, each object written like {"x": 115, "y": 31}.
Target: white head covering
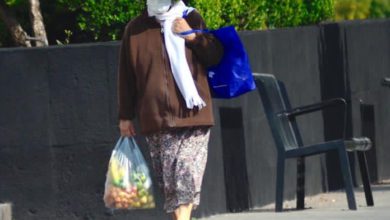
{"x": 166, "y": 13}
{"x": 158, "y": 6}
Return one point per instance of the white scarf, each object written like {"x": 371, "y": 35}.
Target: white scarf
{"x": 175, "y": 46}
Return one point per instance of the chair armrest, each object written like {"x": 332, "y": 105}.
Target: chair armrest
{"x": 313, "y": 107}
{"x": 358, "y": 144}
{"x": 386, "y": 81}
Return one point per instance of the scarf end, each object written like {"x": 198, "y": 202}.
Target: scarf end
{"x": 195, "y": 102}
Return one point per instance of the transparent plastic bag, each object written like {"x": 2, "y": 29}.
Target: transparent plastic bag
{"x": 128, "y": 182}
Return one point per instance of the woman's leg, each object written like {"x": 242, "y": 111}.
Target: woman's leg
{"x": 183, "y": 212}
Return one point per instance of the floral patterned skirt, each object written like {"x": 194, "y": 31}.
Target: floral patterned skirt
{"x": 179, "y": 157}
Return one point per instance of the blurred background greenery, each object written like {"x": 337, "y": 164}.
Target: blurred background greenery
{"x": 76, "y": 21}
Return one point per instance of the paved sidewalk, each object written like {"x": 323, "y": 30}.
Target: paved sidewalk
{"x": 329, "y": 206}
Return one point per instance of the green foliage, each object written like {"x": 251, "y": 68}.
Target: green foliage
{"x": 103, "y": 18}
{"x": 261, "y": 14}
{"x": 291, "y": 13}
{"x": 14, "y": 2}
{"x": 244, "y": 14}
{"x": 284, "y": 13}
{"x": 380, "y": 9}
{"x": 68, "y": 34}
{"x": 210, "y": 10}
{"x": 352, "y": 9}
{"x": 361, "y": 9}
{"x": 318, "y": 10}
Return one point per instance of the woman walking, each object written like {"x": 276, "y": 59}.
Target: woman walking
{"x": 162, "y": 80}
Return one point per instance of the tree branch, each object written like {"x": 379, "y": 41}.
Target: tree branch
{"x": 37, "y": 23}
{"x": 17, "y": 33}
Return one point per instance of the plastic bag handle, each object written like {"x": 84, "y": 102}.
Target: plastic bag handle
{"x": 133, "y": 142}
{"x": 131, "y": 139}
{"x": 121, "y": 139}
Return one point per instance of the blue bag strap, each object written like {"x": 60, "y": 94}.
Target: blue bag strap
{"x": 185, "y": 33}
{"x": 185, "y": 13}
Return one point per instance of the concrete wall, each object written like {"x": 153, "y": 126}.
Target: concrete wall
{"x": 367, "y": 53}
{"x": 58, "y": 125}
{"x": 58, "y": 122}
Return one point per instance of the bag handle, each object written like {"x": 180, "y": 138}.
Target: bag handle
{"x": 129, "y": 139}
{"x": 132, "y": 139}
{"x": 185, "y": 33}
{"x": 185, "y": 13}
{"x": 121, "y": 139}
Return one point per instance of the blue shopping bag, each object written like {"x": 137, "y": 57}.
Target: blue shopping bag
{"x": 233, "y": 75}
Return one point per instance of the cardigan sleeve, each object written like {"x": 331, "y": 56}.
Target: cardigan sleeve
{"x": 127, "y": 92}
{"x": 207, "y": 48}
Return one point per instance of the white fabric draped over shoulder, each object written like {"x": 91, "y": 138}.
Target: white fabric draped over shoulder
{"x": 166, "y": 13}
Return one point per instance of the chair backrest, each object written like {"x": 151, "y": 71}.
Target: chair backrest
{"x": 275, "y": 102}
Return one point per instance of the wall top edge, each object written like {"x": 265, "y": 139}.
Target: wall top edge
{"x": 56, "y": 47}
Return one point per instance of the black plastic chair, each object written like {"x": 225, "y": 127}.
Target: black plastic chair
{"x": 281, "y": 118}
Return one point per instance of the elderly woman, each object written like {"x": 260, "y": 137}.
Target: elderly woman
{"x": 162, "y": 80}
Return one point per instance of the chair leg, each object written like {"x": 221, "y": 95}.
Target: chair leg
{"x": 280, "y": 184}
{"x": 344, "y": 165}
{"x": 301, "y": 183}
{"x": 365, "y": 178}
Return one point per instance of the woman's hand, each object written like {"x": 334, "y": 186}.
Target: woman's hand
{"x": 126, "y": 128}
{"x": 181, "y": 25}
